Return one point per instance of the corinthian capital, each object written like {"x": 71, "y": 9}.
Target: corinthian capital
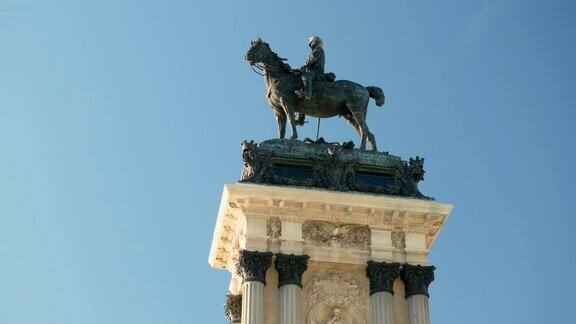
{"x": 416, "y": 279}
{"x": 233, "y": 308}
{"x": 290, "y": 268}
{"x": 252, "y": 265}
{"x": 382, "y": 276}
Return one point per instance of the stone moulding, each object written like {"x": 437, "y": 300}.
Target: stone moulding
{"x": 253, "y": 217}
{"x": 330, "y": 166}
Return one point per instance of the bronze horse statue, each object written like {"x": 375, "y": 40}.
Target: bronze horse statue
{"x": 329, "y": 98}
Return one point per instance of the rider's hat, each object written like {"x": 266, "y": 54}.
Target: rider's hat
{"x": 316, "y": 40}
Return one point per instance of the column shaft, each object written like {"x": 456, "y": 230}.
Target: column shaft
{"x": 253, "y": 303}
{"x": 418, "y": 312}
{"x": 382, "y": 311}
{"x": 416, "y": 279}
{"x": 290, "y": 269}
{"x": 289, "y": 304}
{"x": 382, "y": 276}
{"x": 252, "y": 266}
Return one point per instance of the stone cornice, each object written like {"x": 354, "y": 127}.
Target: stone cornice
{"x": 252, "y": 265}
{"x": 382, "y": 276}
{"x": 290, "y": 268}
{"x": 233, "y": 308}
{"x": 416, "y": 279}
{"x": 243, "y": 203}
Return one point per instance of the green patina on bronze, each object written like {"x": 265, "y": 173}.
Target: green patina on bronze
{"x": 309, "y": 91}
{"x": 333, "y": 166}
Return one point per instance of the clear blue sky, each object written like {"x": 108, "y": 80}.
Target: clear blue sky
{"x": 120, "y": 122}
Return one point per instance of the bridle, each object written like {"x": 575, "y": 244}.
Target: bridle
{"x": 261, "y": 66}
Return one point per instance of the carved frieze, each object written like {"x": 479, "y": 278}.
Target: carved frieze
{"x": 233, "y": 308}
{"x": 252, "y": 265}
{"x": 382, "y": 276}
{"x": 337, "y": 235}
{"x": 398, "y": 239}
{"x": 416, "y": 279}
{"x": 290, "y": 268}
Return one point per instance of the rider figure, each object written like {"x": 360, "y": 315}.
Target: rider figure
{"x": 313, "y": 68}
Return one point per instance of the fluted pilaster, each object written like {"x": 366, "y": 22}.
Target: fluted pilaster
{"x": 290, "y": 269}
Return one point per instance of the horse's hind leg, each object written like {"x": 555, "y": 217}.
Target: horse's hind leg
{"x": 352, "y": 122}
{"x": 360, "y": 119}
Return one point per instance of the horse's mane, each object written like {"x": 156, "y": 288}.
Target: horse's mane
{"x": 285, "y": 66}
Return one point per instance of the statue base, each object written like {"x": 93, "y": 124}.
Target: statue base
{"x": 331, "y": 166}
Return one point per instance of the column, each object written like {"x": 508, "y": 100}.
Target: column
{"x": 382, "y": 276}
{"x": 252, "y": 267}
{"x": 290, "y": 269}
{"x": 416, "y": 279}
{"x": 233, "y": 308}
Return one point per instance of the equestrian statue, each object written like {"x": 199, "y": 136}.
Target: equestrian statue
{"x": 310, "y": 91}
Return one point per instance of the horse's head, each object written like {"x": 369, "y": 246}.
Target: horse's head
{"x": 257, "y": 52}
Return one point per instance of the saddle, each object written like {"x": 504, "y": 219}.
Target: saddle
{"x": 330, "y": 77}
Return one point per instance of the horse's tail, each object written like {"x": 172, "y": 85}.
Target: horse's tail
{"x": 377, "y": 94}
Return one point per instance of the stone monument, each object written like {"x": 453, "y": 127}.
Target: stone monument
{"x": 323, "y": 233}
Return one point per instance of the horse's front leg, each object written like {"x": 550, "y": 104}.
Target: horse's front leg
{"x": 281, "y": 119}
{"x": 289, "y": 109}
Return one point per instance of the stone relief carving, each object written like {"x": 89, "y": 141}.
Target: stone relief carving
{"x": 334, "y": 296}
{"x": 338, "y": 235}
{"x": 335, "y": 317}
{"x": 398, "y": 239}
{"x": 274, "y": 227}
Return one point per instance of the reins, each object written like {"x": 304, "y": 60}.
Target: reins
{"x": 263, "y": 67}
